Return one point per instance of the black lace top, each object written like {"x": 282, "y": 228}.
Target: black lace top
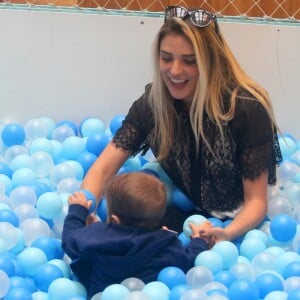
{"x": 213, "y": 182}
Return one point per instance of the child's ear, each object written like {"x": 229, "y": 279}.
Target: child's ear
{"x": 114, "y": 219}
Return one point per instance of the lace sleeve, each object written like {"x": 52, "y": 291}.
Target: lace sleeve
{"x": 133, "y": 135}
{"x": 258, "y": 143}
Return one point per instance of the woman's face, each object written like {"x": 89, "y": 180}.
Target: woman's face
{"x": 178, "y": 67}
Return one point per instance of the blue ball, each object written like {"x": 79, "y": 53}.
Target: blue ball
{"x": 45, "y": 275}
{"x": 5, "y": 169}
{"x": 102, "y": 210}
{"x": 225, "y": 277}
{"x": 49, "y": 246}
{"x": 69, "y": 123}
{"x": 86, "y": 159}
{"x": 90, "y": 197}
{"x": 181, "y": 201}
{"x": 7, "y": 265}
{"x": 171, "y": 276}
{"x": 292, "y": 269}
{"x": 184, "y": 239}
{"x": 283, "y": 228}
{"x": 243, "y": 289}
{"x": 13, "y": 134}
{"x": 18, "y": 294}
{"x": 8, "y": 215}
{"x": 177, "y": 291}
{"x": 96, "y": 143}
{"x": 116, "y": 123}
{"x": 267, "y": 283}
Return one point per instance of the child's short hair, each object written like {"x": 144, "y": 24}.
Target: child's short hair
{"x": 137, "y": 198}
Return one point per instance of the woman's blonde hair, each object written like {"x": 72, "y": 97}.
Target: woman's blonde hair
{"x": 219, "y": 74}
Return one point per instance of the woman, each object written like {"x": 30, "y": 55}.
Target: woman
{"x": 210, "y": 126}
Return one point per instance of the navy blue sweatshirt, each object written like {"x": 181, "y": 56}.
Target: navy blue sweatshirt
{"x": 105, "y": 253}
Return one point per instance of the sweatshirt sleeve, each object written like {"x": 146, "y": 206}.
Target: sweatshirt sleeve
{"x": 75, "y": 220}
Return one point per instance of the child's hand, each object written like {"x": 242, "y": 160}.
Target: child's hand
{"x": 199, "y": 231}
{"x": 79, "y": 198}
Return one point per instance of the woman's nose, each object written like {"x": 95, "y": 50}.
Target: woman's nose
{"x": 176, "y": 67}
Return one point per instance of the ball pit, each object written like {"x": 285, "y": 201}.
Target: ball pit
{"x": 42, "y": 162}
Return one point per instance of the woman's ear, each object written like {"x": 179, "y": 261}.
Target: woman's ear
{"x": 114, "y": 219}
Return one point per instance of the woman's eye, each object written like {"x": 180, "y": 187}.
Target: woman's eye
{"x": 166, "y": 59}
{"x": 190, "y": 61}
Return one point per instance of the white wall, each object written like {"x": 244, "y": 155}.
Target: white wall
{"x": 74, "y": 65}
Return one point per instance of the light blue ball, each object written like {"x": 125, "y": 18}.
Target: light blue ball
{"x": 114, "y": 291}
{"x": 243, "y": 289}
{"x": 24, "y": 176}
{"x": 18, "y": 294}
{"x": 49, "y": 205}
{"x": 268, "y": 282}
{"x": 156, "y": 290}
{"x": 210, "y": 259}
{"x": 195, "y": 219}
{"x": 252, "y": 246}
{"x": 116, "y": 123}
{"x": 228, "y": 252}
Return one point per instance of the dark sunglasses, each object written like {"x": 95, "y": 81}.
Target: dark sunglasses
{"x": 199, "y": 18}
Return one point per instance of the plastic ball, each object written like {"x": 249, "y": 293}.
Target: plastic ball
{"x": 61, "y": 133}
{"x": 6, "y": 265}
{"x": 171, "y": 276}
{"x": 184, "y": 239}
{"x": 14, "y": 151}
{"x": 283, "y": 228}
{"x": 116, "y": 123}
{"x": 91, "y": 126}
{"x": 22, "y": 195}
{"x": 181, "y": 201}
{"x": 251, "y": 247}
{"x": 133, "y": 284}
{"x": 42, "y": 162}
{"x": 177, "y": 291}
{"x": 195, "y": 219}
{"x": 198, "y": 276}
{"x": 18, "y": 294}
{"x": 13, "y": 134}
{"x": 77, "y": 168}
{"x": 24, "y": 176}
{"x": 68, "y": 185}
{"x": 41, "y": 145}
{"x": 34, "y": 228}
{"x": 287, "y": 146}
{"x": 36, "y": 128}
{"x": 292, "y": 269}
{"x": 133, "y": 164}
{"x": 86, "y": 159}
{"x": 137, "y": 295}
{"x": 263, "y": 261}
{"x": 114, "y": 291}
{"x": 45, "y": 275}
{"x": 243, "y": 289}
{"x": 228, "y": 252}
{"x": 278, "y": 205}
{"x": 62, "y": 265}
{"x": 243, "y": 271}
{"x": 49, "y": 205}
{"x": 73, "y": 146}
{"x": 64, "y": 288}
{"x": 214, "y": 288}
{"x": 90, "y": 197}
{"x": 291, "y": 284}
{"x": 284, "y": 259}
{"x": 6, "y": 183}
{"x": 60, "y": 172}
{"x": 102, "y": 210}
{"x": 210, "y": 259}
{"x": 156, "y": 290}
{"x": 69, "y": 124}
{"x": 294, "y": 295}
{"x": 48, "y": 245}
{"x": 30, "y": 259}
{"x": 225, "y": 277}
{"x": 193, "y": 294}
{"x": 5, "y": 169}
{"x": 287, "y": 170}
{"x": 215, "y": 222}
{"x": 8, "y": 234}
{"x": 268, "y": 282}
{"x": 39, "y": 295}
{"x": 8, "y": 215}
{"x": 96, "y": 143}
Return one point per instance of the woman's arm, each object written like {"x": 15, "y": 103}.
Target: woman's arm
{"x": 106, "y": 165}
{"x": 250, "y": 215}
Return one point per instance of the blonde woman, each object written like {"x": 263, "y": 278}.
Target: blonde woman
{"x": 210, "y": 126}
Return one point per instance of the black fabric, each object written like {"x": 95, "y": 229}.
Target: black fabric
{"x": 213, "y": 182}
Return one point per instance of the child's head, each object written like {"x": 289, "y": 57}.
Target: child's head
{"x": 137, "y": 199}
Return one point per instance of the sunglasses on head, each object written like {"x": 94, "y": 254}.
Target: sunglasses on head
{"x": 199, "y": 18}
